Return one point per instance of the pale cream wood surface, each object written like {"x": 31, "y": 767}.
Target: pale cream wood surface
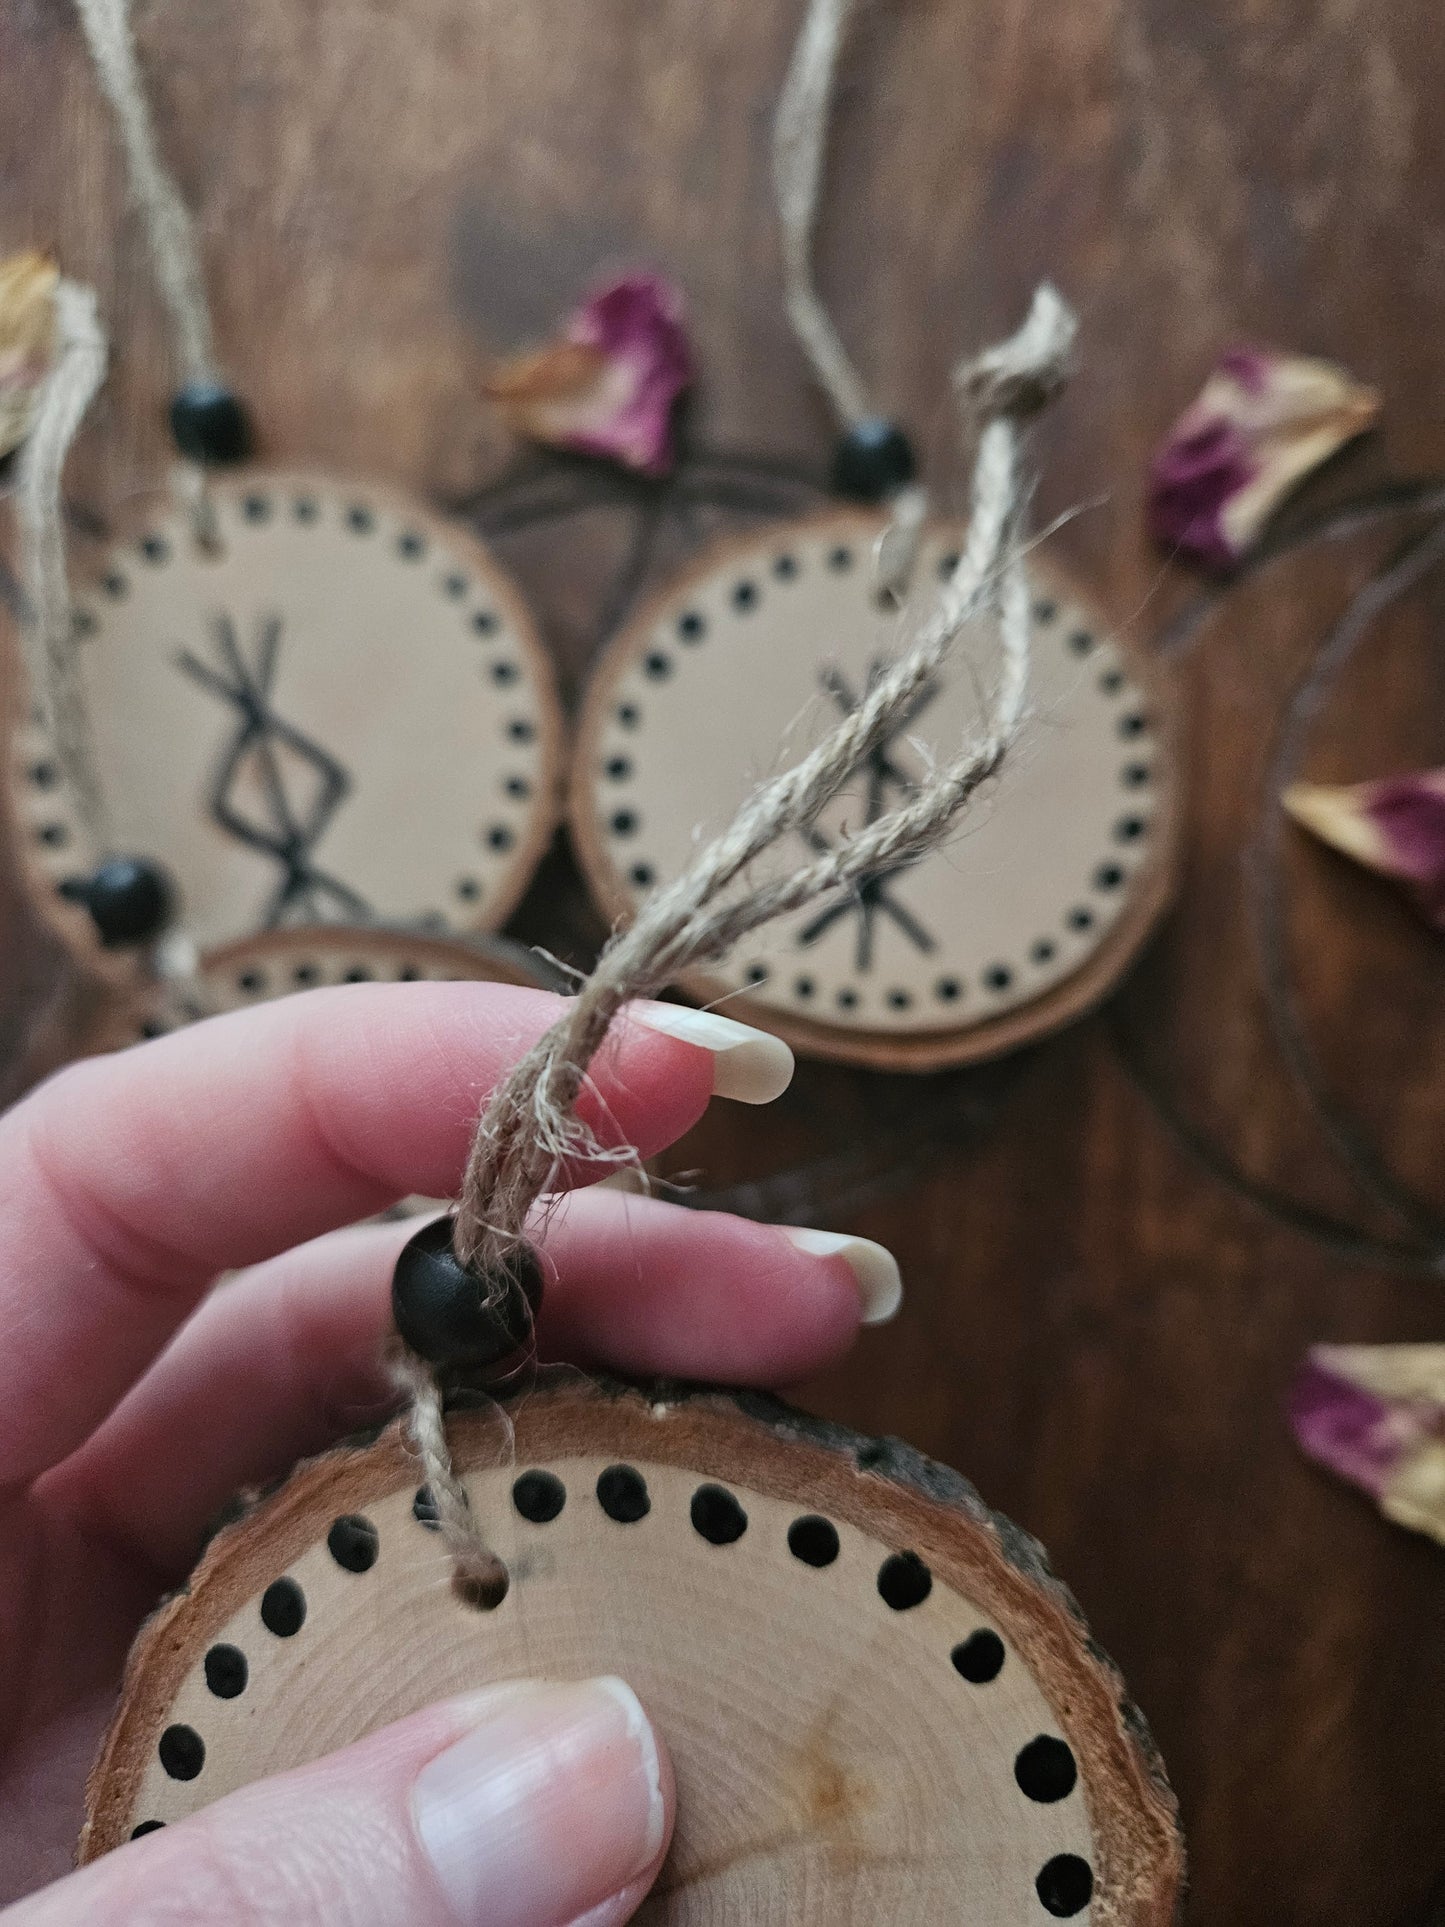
{"x": 1029, "y": 912}
{"x": 371, "y": 648}
{"x": 835, "y": 1762}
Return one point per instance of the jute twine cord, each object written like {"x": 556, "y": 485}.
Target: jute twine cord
{"x": 529, "y": 1129}
{"x": 48, "y": 625}
{"x": 48, "y": 628}
{"x": 800, "y": 138}
{"x": 169, "y": 230}
{"x": 800, "y": 141}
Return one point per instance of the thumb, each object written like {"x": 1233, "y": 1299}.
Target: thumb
{"x": 531, "y": 1804}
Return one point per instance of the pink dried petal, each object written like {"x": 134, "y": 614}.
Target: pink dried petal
{"x": 27, "y": 339}
{"x": 1343, "y": 1427}
{"x": 1375, "y": 1415}
{"x": 1395, "y": 825}
{"x": 609, "y": 385}
{"x": 1261, "y": 423}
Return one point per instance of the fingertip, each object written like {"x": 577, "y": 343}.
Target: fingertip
{"x": 652, "y": 1287}
{"x": 750, "y": 1066}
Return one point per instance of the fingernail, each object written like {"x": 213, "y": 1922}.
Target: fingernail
{"x": 749, "y": 1065}
{"x": 548, "y": 1806}
{"x": 879, "y": 1284}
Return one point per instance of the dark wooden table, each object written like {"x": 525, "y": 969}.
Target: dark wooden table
{"x": 1106, "y": 1299}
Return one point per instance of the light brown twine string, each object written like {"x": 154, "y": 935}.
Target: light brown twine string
{"x": 800, "y": 139}
{"x": 167, "y": 221}
{"x": 49, "y": 623}
{"x": 528, "y": 1130}
{"x": 800, "y": 136}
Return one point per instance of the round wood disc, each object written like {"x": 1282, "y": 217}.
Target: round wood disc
{"x": 276, "y": 963}
{"x": 880, "y": 1704}
{"x": 340, "y": 713}
{"x": 1022, "y": 920}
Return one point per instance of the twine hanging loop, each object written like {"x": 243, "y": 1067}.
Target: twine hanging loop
{"x": 529, "y": 1130}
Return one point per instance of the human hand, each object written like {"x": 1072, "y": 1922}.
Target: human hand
{"x": 133, "y": 1405}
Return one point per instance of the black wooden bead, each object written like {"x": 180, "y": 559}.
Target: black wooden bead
{"x": 873, "y": 461}
{"x": 131, "y": 899}
{"x": 441, "y": 1308}
{"x": 209, "y": 424}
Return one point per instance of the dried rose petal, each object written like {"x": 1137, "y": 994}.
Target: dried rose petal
{"x": 1375, "y": 1415}
{"x": 608, "y": 386}
{"x": 1395, "y": 826}
{"x": 27, "y": 339}
{"x": 1261, "y": 423}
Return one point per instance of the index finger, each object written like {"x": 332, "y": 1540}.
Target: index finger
{"x": 128, "y": 1182}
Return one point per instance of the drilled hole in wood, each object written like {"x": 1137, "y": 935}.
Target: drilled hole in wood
{"x": 539, "y": 1496}
{"x": 482, "y": 1595}
{"x": 1045, "y": 1769}
{"x": 904, "y": 1581}
{"x": 717, "y": 1516}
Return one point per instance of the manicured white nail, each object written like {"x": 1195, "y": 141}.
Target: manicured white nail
{"x": 750, "y": 1065}
{"x": 879, "y": 1284}
{"x": 552, "y": 1803}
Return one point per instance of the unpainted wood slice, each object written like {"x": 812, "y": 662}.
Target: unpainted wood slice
{"x": 880, "y": 1703}
{"x": 344, "y": 676}
{"x": 1024, "y": 919}
{"x": 281, "y": 962}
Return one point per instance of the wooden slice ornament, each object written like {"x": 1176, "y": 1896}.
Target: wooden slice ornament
{"x": 1010, "y": 929}
{"x": 880, "y": 1704}
{"x": 338, "y": 710}
{"x": 283, "y": 962}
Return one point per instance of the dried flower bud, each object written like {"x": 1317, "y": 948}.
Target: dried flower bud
{"x": 608, "y": 386}
{"x": 1395, "y": 826}
{"x": 1375, "y": 1415}
{"x": 27, "y": 339}
{"x": 1261, "y": 424}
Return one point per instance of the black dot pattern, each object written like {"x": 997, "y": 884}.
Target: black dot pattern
{"x": 226, "y": 1671}
{"x": 539, "y": 1496}
{"x": 979, "y": 1658}
{"x": 353, "y": 1543}
{"x": 904, "y": 1581}
{"x": 1045, "y": 1769}
{"x": 875, "y": 980}
{"x": 717, "y": 1516}
{"x": 814, "y": 1540}
{"x": 283, "y": 1608}
{"x": 1065, "y": 1885}
{"x": 622, "y": 1494}
{"x": 182, "y": 1752}
{"x": 479, "y": 607}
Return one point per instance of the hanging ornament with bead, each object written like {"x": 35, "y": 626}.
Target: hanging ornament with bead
{"x": 259, "y": 657}
{"x": 806, "y": 1614}
{"x": 766, "y": 640}
{"x": 127, "y": 900}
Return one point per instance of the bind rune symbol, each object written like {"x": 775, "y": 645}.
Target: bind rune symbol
{"x": 263, "y": 750}
{"x": 871, "y": 897}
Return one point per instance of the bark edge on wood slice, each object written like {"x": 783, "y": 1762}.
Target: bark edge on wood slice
{"x": 280, "y": 963}
{"x": 1047, "y": 954}
{"x": 840, "y": 1665}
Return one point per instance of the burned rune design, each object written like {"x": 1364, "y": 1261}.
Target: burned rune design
{"x": 887, "y": 782}
{"x": 275, "y": 789}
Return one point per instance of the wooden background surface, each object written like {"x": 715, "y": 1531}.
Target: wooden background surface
{"x": 1099, "y": 1330}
